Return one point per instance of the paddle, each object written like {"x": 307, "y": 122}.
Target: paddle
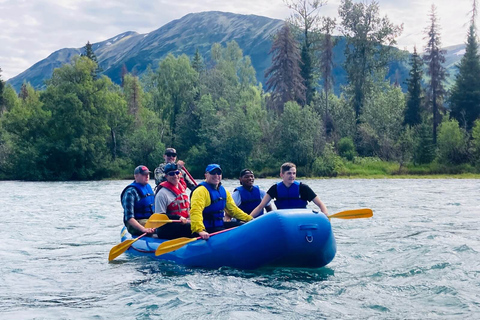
{"x": 172, "y": 245}
{"x": 122, "y": 247}
{"x": 157, "y": 221}
{"x": 190, "y": 176}
{"x": 353, "y": 214}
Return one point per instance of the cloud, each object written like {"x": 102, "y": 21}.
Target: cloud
{"x": 31, "y": 30}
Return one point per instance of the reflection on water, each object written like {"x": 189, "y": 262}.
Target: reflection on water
{"x": 417, "y": 258}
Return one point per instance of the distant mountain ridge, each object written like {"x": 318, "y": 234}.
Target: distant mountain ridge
{"x": 183, "y": 36}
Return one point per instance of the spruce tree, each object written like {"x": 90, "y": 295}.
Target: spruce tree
{"x": 306, "y": 18}
{"x": 197, "y": 62}
{"x": 434, "y": 58}
{"x": 2, "y": 85}
{"x": 465, "y": 97}
{"x": 414, "y": 93}
{"x": 283, "y": 76}
{"x": 90, "y": 54}
{"x": 326, "y": 66}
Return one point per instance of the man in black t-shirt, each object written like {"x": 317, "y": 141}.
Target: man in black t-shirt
{"x": 290, "y": 194}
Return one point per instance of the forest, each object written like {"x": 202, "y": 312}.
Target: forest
{"x": 212, "y": 109}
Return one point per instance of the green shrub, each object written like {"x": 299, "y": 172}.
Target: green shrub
{"x": 346, "y": 148}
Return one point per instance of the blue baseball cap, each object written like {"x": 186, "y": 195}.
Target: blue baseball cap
{"x": 170, "y": 167}
{"x": 212, "y": 167}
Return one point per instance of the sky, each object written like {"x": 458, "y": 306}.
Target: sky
{"x": 30, "y": 30}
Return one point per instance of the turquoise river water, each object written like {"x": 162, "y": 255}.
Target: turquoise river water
{"x": 417, "y": 258}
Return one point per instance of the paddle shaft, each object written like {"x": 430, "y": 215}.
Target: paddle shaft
{"x": 190, "y": 176}
{"x": 175, "y": 244}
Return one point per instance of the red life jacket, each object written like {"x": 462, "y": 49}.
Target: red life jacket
{"x": 180, "y": 205}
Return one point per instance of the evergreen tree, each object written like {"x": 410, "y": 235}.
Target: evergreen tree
{"x": 414, "y": 93}
{"x": 326, "y": 66}
{"x": 434, "y": 58}
{"x": 369, "y": 47}
{"x": 307, "y": 19}
{"x": 2, "y": 86}
{"x": 283, "y": 75}
{"x": 197, "y": 62}
{"x": 465, "y": 96}
{"x": 23, "y": 94}
{"x": 90, "y": 54}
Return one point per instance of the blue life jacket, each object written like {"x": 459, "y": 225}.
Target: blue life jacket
{"x": 214, "y": 213}
{"x": 250, "y": 199}
{"x": 144, "y": 208}
{"x": 289, "y": 198}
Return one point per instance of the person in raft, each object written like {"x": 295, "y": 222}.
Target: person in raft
{"x": 138, "y": 202}
{"x": 170, "y": 156}
{"x": 171, "y": 199}
{"x": 248, "y": 196}
{"x": 210, "y": 200}
{"x": 289, "y": 194}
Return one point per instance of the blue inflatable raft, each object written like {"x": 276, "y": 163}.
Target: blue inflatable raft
{"x": 282, "y": 238}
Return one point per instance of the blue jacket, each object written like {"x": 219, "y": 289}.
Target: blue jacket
{"x": 214, "y": 213}
{"x": 289, "y": 198}
{"x": 250, "y": 199}
{"x": 144, "y": 208}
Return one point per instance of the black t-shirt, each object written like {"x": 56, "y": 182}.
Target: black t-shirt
{"x": 306, "y": 193}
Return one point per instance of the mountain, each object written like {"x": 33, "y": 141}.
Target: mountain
{"x": 197, "y": 30}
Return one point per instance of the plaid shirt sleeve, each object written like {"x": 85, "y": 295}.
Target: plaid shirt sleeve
{"x": 128, "y": 202}
{"x": 159, "y": 174}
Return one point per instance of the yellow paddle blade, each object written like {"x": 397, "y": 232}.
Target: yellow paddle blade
{"x": 172, "y": 245}
{"x": 157, "y": 220}
{"x": 353, "y": 214}
{"x": 120, "y": 248}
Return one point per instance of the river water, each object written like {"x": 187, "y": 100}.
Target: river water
{"x": 417, "y": 258}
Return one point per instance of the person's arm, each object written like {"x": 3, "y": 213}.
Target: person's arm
{"x": 255, "y": 212}
{"x": 159, "y": 174}
{"x": 134, "y": 223}
{"x": 321, "y": 205}
{"x": 199, "y": 201}
{"x": 128, "y": 203}
{"x": 161, "y": 201}
{"x": 308, "y": 194}
{"x": 268, "y": 206}
{"x": 234, "y": 211}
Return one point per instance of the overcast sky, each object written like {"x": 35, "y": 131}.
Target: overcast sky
{"x": 30, "y": 30}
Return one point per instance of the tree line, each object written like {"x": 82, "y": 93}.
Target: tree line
{"x": 212, "y": 109}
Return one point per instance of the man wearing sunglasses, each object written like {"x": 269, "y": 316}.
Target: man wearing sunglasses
{"x": 171, "y": 198}
{"x": 210, "y": 200}
{"x": 170, "y": 156}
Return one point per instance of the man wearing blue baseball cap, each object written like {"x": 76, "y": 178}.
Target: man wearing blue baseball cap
{"x": 209, "y": 202}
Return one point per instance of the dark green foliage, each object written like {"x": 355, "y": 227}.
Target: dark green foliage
{"x": 465, "y": 95}
{"x": 424, "y": 151}
{"x": 434, "y": 58}
{"x": 414, "y": 94}
{"x": 346, "y": 148}
{"x": 283, "y": 76}
{"x": 90, "y": 54}
{"x": 2, "y": 86}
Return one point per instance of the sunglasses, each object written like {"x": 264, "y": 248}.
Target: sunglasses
{"x": 173, "y": 173}
{"x": 216, "y": 172}
{"x": 171, "y": 154}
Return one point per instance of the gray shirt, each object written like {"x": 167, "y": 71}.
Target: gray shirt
{"x": 163, "y": 198}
